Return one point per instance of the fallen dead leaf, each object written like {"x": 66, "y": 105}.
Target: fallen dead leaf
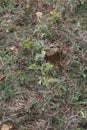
{"x": 53, "y": 13}
{"x": 39, "y": 16}
{"x": 6, "y": 127}
{"x": 27, "y": 5}
{"x": 14, "y": 48}
{"x": 19, "y": 70}
{"x": 2, "y": 78}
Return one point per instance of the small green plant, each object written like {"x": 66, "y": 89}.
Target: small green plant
{"x": 27, "y": 44}
{"x": 10, "y": 29}
{"x": 77, "y": 96}
{"x": 46, "y": 81}
{"x": 40, "y": 56}
{"x": 28, "y": 110}
{"x": 47, "y": 67}
{"x": 34, "y": 67}
{"x": 4, "y": 3}
{"x": 82, "y": 1}
{"x": 77, "y": 99}
{"x": 50, "y": 36}
{"x": 56, "y": 17}
{"x": 9, "y": 93}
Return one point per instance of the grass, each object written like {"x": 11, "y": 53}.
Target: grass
{"x": 43, "y": 67}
